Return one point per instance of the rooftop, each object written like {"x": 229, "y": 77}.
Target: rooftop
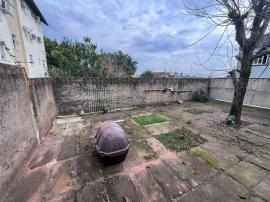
{"x": 65, "y": 167}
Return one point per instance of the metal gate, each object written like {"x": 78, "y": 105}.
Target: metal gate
{"x": 102, "y": 99}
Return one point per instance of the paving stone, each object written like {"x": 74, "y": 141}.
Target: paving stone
{"x": 145, "y": 184}
{"x": 69, "y": 148}
{"x": 253, "y": 139}
{"x": 120, "y": 187}
{"x": 230, "y": 186}
{"x": 255, "y": 199}
{"x": 63, "y": 197}
{"x": 260, "y": 161}
{"x": 213, "y": 194}
{"x": 156, "y": 146}
{"x": 46, "y": 152}
{"x": 263, "y": 188}
{"x": 204, "y": 171}
{"x": 160, "y": 128}
{"x": 134, "y": 131}
{"x": 172, "y": 186}
{"x": 59, "y": 181}
{"x": 92, "y": 192}
{"x": 144, "y": 151}
{"x": 247, "y": 173}
{"x": 193, "y": 196}
{"x": 32, "y": 186}
{"x": 89, "y": 169}
{"x": 183, "y": 171}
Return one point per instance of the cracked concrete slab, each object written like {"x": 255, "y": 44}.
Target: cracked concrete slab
{"x": 247, "y": 173}
{"x": 65, "y": 167}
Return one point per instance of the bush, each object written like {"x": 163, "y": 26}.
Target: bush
{"x": 201, "y": 96}
{"x": 230, "y": 120}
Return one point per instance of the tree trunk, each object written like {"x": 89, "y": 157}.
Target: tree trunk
{"x": 240, "y": 89}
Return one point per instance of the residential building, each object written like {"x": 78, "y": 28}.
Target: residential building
{"x": 261, "y": 66}
{"x": 21, "y": 36}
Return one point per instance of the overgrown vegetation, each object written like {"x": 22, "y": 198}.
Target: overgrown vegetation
{"x": 180, "y": 139}
{"x": 196, "y": 111}
{"x": 149, "y": 119}
{"x": 147, "y": 74}
{"x": 201, "y": 96}
{"x": 230, "y": 120}
{"x": 72, "y": 58}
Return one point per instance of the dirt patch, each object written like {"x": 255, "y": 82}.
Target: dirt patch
{"x": 180, "y": 139}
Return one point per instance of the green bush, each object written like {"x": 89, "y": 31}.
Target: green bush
{"x": 201, "y": 96}
{"x": 230, "y": 120}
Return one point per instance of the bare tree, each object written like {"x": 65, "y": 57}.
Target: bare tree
{"x": 249, "y": 20}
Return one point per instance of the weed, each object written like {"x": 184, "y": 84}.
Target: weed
{"x": 230, "y": 120}
{"x": 196, "y": 111}
{"x": 149, "y": 119}
{"x": 180, "y": 139}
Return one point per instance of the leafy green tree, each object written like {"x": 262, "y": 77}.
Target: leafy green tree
{"x": 117, "y": 64}
{"x": 147, "y": 74}
{"x": 73, "y": 58}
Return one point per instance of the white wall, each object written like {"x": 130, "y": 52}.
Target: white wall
{"x": 5, "y": 36}
{"x": 258, "y": 91}
{"x": 32, "y": 47}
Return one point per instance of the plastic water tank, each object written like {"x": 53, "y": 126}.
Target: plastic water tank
{"x": 112, "y": 144}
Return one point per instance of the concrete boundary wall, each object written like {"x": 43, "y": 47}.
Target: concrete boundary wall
{"x": 72, "y": 94}
{"x": 45, "y": 108}
{"x": 257, "y": 95}
{"x": 27, "y": 110}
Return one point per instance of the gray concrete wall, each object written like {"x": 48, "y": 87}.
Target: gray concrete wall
{"x": 27, "y": 109}
{"x": 72, "y": 94}
{"x": 258, "y": 91}
{"x": 45, "y": 108}
{"x": 18, "y": 132}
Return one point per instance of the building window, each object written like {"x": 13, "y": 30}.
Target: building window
{"x": 261, "y": 61}
{"x": 2, "y": 51}
{"x": 39, "y": 39}
{"x": 31, "y": 59}
{"x": 5, "y": 5}
{"x": 33, "y": 37}
{"x": 15, "y": 41}
{"x": 24, "y": 6}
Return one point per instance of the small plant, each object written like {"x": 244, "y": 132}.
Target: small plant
{"x": 196, "y": 111}
{"x": 180, "y": 139}
{"x": 230, "y": 120}
{"x": 149, "y": 119}
{"x": 201, "y": 96}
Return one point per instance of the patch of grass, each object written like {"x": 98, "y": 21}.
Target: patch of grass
{"x": 149, "y": 119}
{"x": 207, "y": 157}
{"x": 180, "y": 139}
{"x": 196, "y": 111}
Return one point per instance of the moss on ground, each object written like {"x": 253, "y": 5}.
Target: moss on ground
{"x": 207, "y": 157}
{"x": 196, "y": 111}
{"x": 149, "y": 119}
{"x": 180, "y": 139}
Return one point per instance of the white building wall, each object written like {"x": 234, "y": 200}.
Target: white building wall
{"x": 34, "y": 50}
{"x": 5, "y": 36}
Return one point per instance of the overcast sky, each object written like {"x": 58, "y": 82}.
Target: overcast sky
{"x": 154, "y": 32}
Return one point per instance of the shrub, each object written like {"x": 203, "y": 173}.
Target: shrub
{"x": 201, "y": 96}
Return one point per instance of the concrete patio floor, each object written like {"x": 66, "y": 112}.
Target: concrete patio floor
{"x": 232, "y": 165}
